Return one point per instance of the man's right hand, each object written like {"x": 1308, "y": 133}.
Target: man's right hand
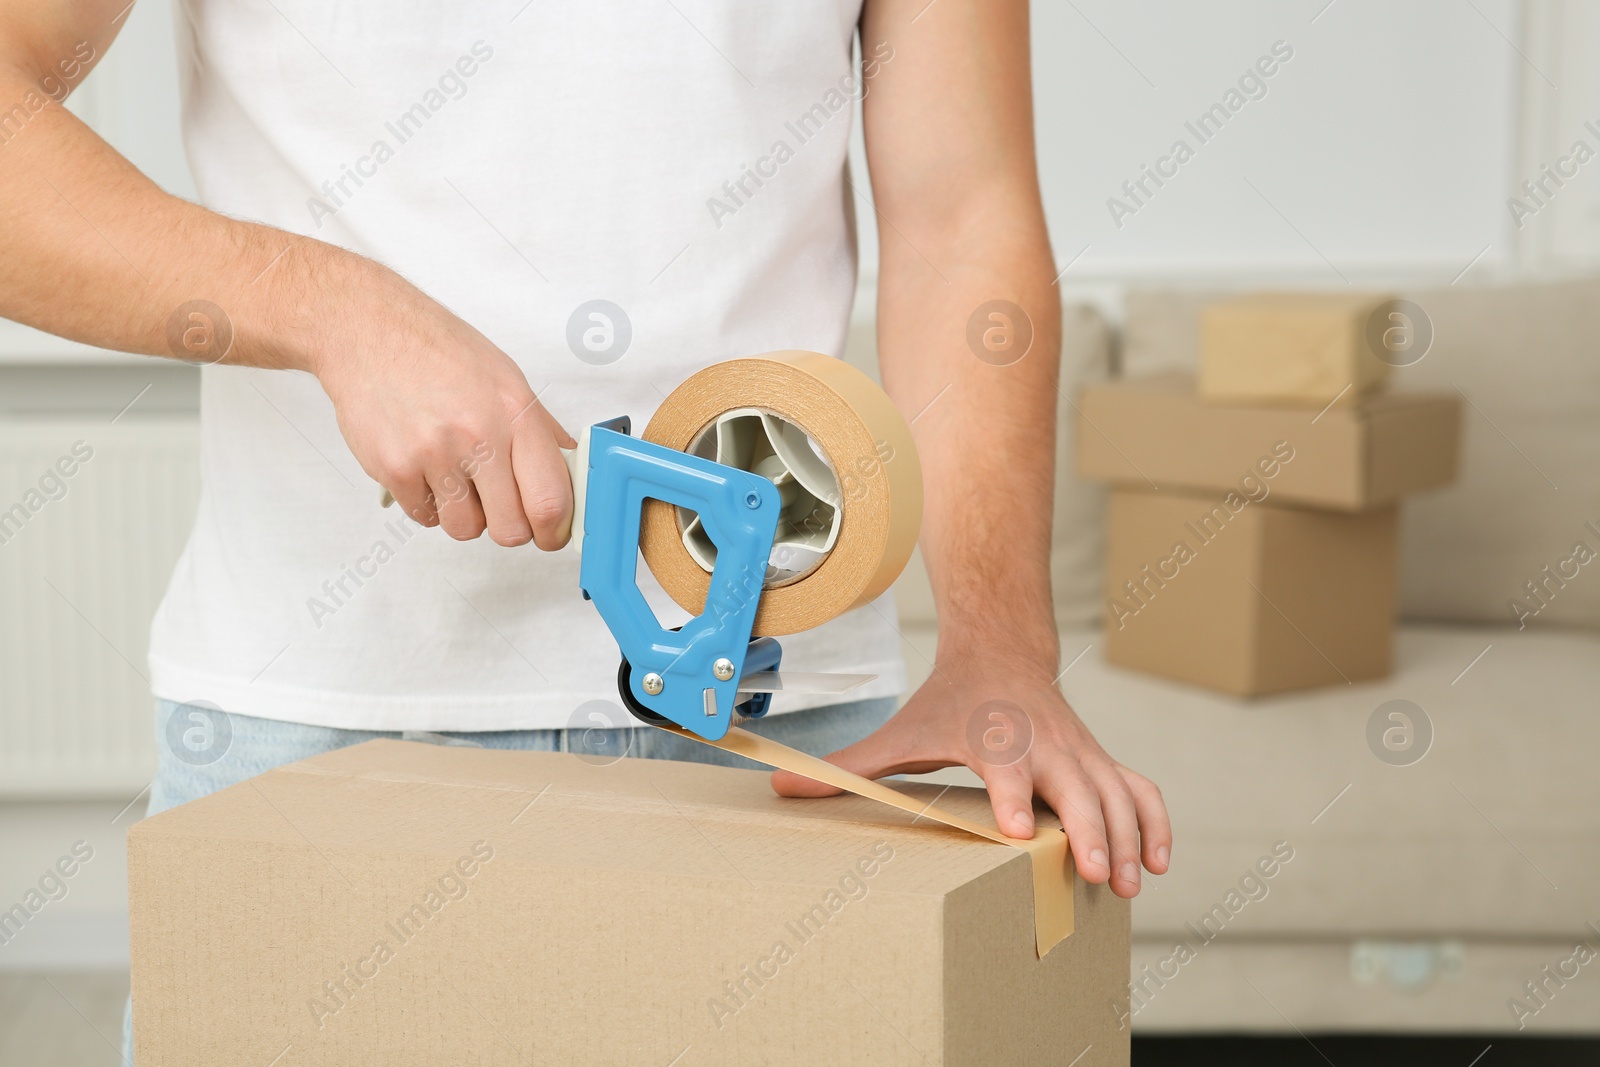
{"x": 438, "y": 415}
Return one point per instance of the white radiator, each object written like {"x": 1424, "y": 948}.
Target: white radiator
{"x": 93, "y": 515}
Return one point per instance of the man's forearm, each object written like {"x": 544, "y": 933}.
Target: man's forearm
{"x": 986, "y": 432}
{"x": 949, "y": 137}
{"x": 96, "y": 252}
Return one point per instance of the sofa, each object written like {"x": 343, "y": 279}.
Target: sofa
{"x": 1458, "y": 891}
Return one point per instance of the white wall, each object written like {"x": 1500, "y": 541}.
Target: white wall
{"x": 1560, "y": 91}
{"x": 1388, "y": 141}
{"x": 131, "y": 98}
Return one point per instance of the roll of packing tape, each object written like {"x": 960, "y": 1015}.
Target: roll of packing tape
{"x": 845, "y": 466}
{"x": 1047, "y": 849}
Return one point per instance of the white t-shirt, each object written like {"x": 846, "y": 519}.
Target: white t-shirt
{"x": 684, "y": 161}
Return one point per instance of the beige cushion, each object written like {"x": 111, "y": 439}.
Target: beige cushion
{"x": 1524, "y": 357}
{"x": 1075, "y": 558}
{"x": 1469, "y": 841}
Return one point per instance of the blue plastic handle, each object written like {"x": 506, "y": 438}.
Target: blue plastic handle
{"x": 739, "y": 512}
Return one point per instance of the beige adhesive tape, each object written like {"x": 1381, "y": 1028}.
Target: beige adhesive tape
{"x": 867, "y": 446}
{"x": 1052, "y": 879}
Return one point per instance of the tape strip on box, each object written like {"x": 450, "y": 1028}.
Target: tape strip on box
{"x": 1047, "y": 850}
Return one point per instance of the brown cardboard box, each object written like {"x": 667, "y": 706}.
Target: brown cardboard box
{"x": 1156, "y": 433}
{"x": 1246, "y": 597}
{"x": 1290, "y": 348}
{"x": 398, "y": 903}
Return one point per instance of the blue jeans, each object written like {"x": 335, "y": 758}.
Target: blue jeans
{"x": 203, "y": 750}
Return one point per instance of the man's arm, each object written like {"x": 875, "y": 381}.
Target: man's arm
{"x": 95, "y": 251}
{"x": 949, "y": 133}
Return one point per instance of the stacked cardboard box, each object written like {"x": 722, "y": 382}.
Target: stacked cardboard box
{"x": 1252, "y": 533}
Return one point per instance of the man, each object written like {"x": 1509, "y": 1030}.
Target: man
{"x": 429, "y": 227}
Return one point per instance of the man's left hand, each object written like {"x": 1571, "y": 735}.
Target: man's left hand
{"x": 1019, "y": 734}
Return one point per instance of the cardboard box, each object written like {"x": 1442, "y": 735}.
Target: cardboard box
{"x": 1156, "y": 433}
{"x": 397, "y": 903}
{"x": 1290, "y": 348}
{"x": 1248, "y": 598}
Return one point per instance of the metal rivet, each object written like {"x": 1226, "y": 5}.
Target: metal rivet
{"x": 723, "y": 669}
{"x": 752, "y": 499}
{"x": 653, "y": 684}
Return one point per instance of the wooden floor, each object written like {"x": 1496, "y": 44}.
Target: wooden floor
{"x": 68, "y": 1019}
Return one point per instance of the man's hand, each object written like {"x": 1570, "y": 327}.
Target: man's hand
{"x": 1021, "y": 737}
{"x": 441, "y": 417}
